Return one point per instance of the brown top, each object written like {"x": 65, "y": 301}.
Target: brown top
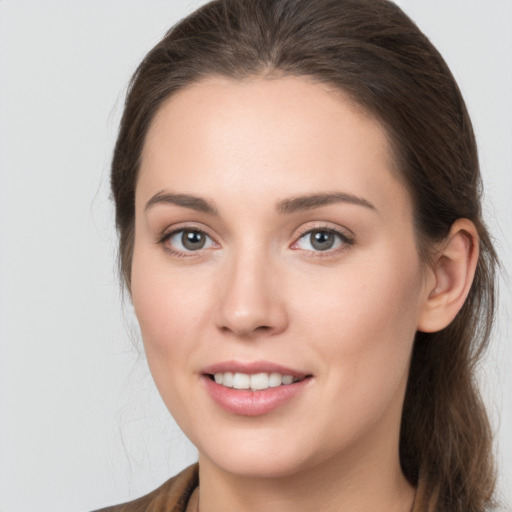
{"x": 172, "y": 496}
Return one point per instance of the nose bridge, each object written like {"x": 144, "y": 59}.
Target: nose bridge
{"x": 251, "y": 301}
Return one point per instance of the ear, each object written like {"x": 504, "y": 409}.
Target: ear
{"x": 453, "y": 271}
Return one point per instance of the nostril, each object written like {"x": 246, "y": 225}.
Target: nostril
{"x": 246, "y": 331}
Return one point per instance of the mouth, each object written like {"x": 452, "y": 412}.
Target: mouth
{"x": 254, "y": 389}
{"x": 254, "y": 381}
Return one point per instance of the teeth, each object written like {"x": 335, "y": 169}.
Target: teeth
{"x": 287, "y": 379}
{"x": 257, "y": 381}
{"x": 227, "y": 379}
{"x": 275, "y": 379}
{"x": 241, "y": 381}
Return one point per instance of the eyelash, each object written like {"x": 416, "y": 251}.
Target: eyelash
{"x": 345, "y": 242}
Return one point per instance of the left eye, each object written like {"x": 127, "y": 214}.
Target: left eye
{"x": 320, "y": 240}
{"x": 187, "y": 240}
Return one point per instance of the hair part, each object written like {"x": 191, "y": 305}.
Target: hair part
{"x": 371, "y": 51}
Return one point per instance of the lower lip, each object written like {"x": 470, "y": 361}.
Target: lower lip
{"x": 253, "y": 403}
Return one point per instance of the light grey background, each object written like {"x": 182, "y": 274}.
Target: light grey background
{"x": 81, "y": 424}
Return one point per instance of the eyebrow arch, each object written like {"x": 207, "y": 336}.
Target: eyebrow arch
{"x": 311, "y": 201}
{"x": 187, "y": 201}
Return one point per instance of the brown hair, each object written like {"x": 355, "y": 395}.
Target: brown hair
{"x": 372, "y": 51}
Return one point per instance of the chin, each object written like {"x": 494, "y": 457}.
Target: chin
{"x": 264, "y": 459}
{"x": 259, "y": 467}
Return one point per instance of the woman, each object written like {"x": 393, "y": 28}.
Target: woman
{"x": 298, "y": 202}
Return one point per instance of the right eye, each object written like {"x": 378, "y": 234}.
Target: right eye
{"x": 188, "y": 240}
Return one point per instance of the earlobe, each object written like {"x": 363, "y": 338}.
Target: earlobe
{"x": 453, "y": 272}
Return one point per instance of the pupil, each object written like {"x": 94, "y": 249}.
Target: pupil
{"x": 193, "y": 240}
{"x": 322, "y": 240}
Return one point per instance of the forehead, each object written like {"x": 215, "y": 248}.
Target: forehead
{"x": 225, "y": 135}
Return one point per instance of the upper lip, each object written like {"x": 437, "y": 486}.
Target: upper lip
{"x": 252, "y": 367}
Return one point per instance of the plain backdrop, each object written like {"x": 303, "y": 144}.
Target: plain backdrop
{"x": 81, "y": 424}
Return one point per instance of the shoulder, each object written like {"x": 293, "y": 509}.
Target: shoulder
{"x": 172, "y": 496}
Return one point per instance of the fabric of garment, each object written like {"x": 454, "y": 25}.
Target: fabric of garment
{"x": 172, "y": 496}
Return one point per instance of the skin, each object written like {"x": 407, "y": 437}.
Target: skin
{"x": 260, "y": 291}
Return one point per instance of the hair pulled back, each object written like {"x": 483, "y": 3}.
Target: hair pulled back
{"x": 374, "y": 53}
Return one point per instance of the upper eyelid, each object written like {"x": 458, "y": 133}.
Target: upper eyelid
{"x": 168, "y": 231}
{"x": 327, "y": 226}
{"x": 344, "y": 238}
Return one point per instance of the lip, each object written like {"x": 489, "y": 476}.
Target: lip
{"x": 245, "y": 402}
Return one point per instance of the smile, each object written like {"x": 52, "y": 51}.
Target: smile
{"x": 254, "y": 382}
{"x": 254, "y": 388}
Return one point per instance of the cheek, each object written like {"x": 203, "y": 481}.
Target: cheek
{"x": 167, "y": 316}
{"x": 167, "y": 324}
{"x": 366, "y": 323}
{"x": 163, "y": 295}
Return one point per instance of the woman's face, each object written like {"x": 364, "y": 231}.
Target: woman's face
{"x": 274, "y": 243}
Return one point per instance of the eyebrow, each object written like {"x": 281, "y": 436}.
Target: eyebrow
{"x": 186, "y": 200}
{"x": 284, "y": 207}
{"x": 310, "y": 201}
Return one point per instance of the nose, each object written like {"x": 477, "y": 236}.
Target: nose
{"x": 251, "y": 302}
